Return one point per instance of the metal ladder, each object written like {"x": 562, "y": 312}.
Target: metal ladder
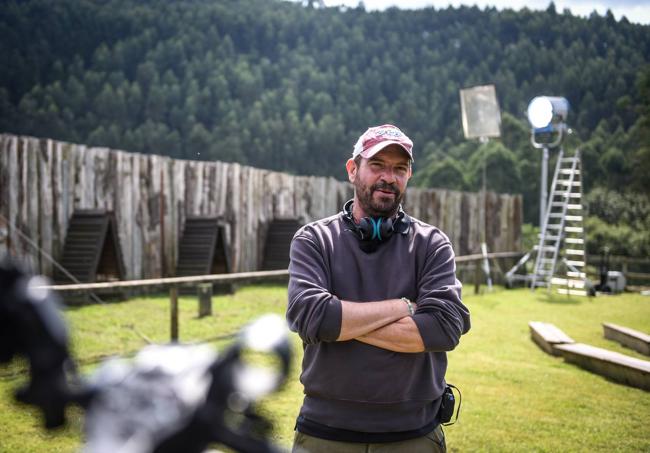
{"x": 563, "y": 231}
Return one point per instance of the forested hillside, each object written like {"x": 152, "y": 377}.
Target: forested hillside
{"x": 278, "y": 85}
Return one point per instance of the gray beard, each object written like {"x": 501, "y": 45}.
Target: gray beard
{"x": 372, "y": 208}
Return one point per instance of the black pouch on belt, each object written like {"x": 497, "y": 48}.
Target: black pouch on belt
{"x": 447, "y": 404}
{"x": 446, "y": 410}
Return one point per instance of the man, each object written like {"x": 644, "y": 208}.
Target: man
{"x": 374, "y": 296}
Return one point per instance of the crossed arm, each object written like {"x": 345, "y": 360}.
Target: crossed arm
{"x": 320, "y": 316}
{"x": 385, "y": 324}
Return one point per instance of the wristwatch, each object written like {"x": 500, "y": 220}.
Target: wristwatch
{"x": 409, "y": 304}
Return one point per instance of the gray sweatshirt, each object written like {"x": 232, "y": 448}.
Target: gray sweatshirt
{"x": 356, "y": 386}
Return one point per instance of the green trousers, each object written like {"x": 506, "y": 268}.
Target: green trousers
{"x": 434, "y": 442}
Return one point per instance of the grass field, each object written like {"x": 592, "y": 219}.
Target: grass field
{"x": 515, "y": 397}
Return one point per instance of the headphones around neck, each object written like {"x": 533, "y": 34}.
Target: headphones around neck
{"x": 373, "y": 231}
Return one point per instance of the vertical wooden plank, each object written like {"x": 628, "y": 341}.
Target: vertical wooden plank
{"x": 169, "y": 225}
{"x": 31, "y": 220}
{"x": 5, "y": 184}
{"x": 84, "y": 183}
{"x": 110, "y": 159}
{"x": 303, "y": 209}
{"x": 99, "y": 174}
{"x": 248, "y": 203}
{"x": 212, "y": 195}
{"x": 69, "y": 178}
{"x": 205, "y": 188}
{"x": 135, "y": 222}
{"x": 23, "y": 203}
{"x": 252, "y": 220}
{"x": 198, "y": 188}
{"x": 258, "y": 215}
{"x": 161, "y": 176}
{"x": 242, "y": 224}
{"x": 455, "y": 215}
{"x": 57, "y": 202}
{"x": 435, "y": 207}
{"x": 235, "y": 191}
{"x": 514, "y": 222}
{"x": 77, "y": 155}
{"x": 121, "y": 208}
{"x": 411, "y": 203}
{"x": 142, "y": 215}
{"x": 101, "y": 170}
{"x": 179, "y": 205}
{"x": 475, "y": 225}
{"x": 494, "y": 225}
{"x": 269, "y": 196}
{"x": 14, "y": 196}
{"x": 173, "y": 311}
{"x": 154, "y": 204}
{"x": 190, "y": 188}
{"x": 123, "y": 199}
{"x": 46, "y": 204}
{"x": 221, "y": 188}
{"x": 261, "y": 215}
{"x": 146, "y": 229}
{"x": 465, "y": 225}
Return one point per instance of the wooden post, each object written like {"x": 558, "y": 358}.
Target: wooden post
{"x": 477, "y": 276}
{"x": 161, "y": 198}
{"x": 205, "y": 299}
{"x": 173, "y": 300}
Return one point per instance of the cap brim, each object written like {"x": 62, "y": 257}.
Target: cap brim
{"x": 367, "y": 154}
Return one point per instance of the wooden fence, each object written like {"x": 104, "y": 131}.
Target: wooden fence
{"x": 43, "y": 181}
{"x": 205, "y": 306}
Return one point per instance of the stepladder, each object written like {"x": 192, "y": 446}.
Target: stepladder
{"x": 559, "y": 256}
{"x": 561, "y": 259}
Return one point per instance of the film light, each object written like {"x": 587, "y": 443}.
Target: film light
{"x": 547, "y": 112}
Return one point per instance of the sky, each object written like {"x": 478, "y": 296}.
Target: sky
{"x": 637, "y": 11}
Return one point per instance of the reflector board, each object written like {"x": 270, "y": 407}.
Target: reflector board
{"x": 480, "y": 112}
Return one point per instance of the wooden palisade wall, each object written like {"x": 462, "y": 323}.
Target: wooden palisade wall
{"x": 43, "y": 181}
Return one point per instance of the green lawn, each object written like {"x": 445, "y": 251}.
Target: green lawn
{"x": 515, "y": 397}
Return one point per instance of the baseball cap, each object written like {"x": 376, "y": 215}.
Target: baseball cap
{"x": 377, "y": 138}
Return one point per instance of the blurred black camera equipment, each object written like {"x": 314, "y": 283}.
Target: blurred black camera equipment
{"x": 168, "y": 398}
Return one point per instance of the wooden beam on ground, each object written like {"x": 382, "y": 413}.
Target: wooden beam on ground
{"x": 612, "y": 365}
{"x": 548, "y": 336}
{"x": 630, "y": 338}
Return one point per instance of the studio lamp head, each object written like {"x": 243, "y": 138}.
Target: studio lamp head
{"x": 547, "y": 116}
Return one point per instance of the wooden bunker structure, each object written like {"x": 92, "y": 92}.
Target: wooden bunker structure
{"x": 203, "y": 248}
{"x": 91, "y": 251}
{"x": 278, "y": 238}
{"x": 155, "y": 200}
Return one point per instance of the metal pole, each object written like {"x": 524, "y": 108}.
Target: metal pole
{"x": 484, "y": 141}
{"x": 484, "y": 201}
{"x": 543, "y": 189}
